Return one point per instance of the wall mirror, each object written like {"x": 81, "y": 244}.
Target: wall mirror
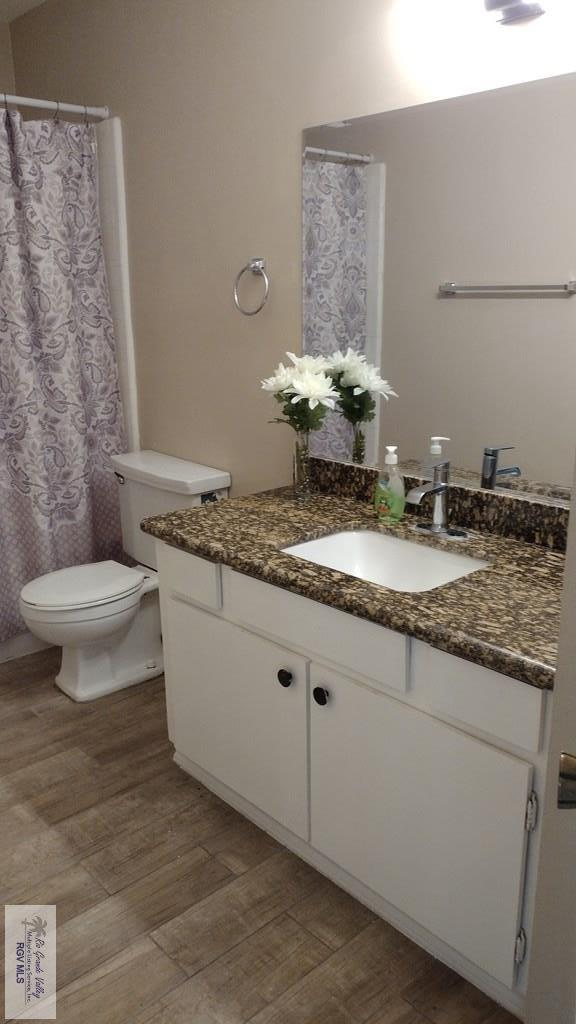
{"x": 476, "y": 191}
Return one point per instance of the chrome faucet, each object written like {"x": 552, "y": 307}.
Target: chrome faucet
{"x": 490, "y": 471}
{"x": 439, "y": 488}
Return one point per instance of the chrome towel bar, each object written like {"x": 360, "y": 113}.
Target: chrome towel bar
{"x": 257, "y": 266}
{"x": 448, "y": 288}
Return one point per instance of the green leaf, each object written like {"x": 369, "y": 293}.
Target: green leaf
{"x": 356, "y": 408}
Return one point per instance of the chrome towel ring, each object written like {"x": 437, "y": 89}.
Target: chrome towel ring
{"x": 255, "y": 266}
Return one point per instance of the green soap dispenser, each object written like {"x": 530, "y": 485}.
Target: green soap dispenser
{"x": 389, "y": 497}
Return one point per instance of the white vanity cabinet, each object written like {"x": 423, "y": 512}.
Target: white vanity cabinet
{"x": 384, "y": 762}
{"x": 430, "y": 818}
{"x": 238, "y": 709}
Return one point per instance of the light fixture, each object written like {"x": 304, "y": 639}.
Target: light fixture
{"x": 514, "y": 10}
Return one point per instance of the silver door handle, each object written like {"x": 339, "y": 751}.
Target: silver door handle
{"x": 567, "y": 782}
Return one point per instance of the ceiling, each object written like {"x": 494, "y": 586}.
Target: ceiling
{"x": 10, "y": 9}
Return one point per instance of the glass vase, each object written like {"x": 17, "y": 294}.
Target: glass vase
{"x": 301, "y": 466}
{"x": 358, "y": 444}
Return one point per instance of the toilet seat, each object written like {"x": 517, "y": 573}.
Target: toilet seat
{"x": 34, "y": 615}
{"x": 82, "y": 587}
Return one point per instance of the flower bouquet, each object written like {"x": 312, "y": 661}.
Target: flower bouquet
{"x": 357, "y": 383}
{"x": 305, "y": 390}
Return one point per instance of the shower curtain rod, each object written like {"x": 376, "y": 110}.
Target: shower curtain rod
{"x": 353, "y": 157}
{"x": 100, "y": 113}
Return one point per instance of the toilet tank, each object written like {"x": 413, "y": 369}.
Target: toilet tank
{"x": 150, "y": 483}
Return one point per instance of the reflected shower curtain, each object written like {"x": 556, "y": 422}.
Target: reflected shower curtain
{"x": 334, "y": 286}
{"x": 60, "y": 408}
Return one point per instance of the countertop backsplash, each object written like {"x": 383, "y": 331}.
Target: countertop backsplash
{"x": 532, "y": 519}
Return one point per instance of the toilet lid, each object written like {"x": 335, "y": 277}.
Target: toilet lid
{"x": 82, "y": 586}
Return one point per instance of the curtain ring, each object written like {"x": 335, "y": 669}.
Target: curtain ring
{"x": 6, "y": 103}
{"x": 56, "y": 118}
{"x": 86, "y": 121}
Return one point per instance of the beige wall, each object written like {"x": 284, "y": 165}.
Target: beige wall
{"x": 214, "y": 95}
{"x": 6, "y": 64}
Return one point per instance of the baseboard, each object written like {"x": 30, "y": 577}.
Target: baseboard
{"x": 512, "y": 1001}
{"x": 21, "y": 645}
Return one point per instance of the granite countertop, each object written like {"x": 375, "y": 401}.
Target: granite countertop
{"x": 505, "y": 617}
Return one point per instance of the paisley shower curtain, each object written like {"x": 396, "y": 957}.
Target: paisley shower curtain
{"x": 60, "y": 407}
{"x": 334, "y": 286}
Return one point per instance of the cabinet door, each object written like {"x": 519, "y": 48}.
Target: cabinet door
{"x": 232, "y": 716}
{"x": 426, "y": 816}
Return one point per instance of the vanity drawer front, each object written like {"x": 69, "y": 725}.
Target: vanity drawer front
{"x": 354, "y": 644}
{"x": 503, "y": 707}
{"x": 189, "y": 577}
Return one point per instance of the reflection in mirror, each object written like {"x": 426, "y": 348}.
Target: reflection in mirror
{"x": 475, "y": 190}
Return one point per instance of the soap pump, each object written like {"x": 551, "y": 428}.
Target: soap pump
{"x": 389, "y": 499}
{"x": 436, "y": 445}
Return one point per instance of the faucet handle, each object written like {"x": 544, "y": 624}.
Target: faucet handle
{"x": 494, "y": 449}
{"x": 490, "y": 470}
{"x": 440, "y": 471}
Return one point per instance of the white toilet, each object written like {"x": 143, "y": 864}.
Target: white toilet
{"x": 106, "y": 616}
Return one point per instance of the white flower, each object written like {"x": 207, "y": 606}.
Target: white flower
{"x": 314, "y": 364}
{"x": 346, "y": 362}
{"x": 365, "y": 377}
{"x": 282, "y": 378}
{"x": 316, "y": 388}
{"x": 359, "y": 374}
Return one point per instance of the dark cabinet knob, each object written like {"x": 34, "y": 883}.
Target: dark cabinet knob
{"x": 285, "y": 678}
{"x": 321, "y": 695}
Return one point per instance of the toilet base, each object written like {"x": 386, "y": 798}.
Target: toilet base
{"x": 99, "y": 680}
{"x": 131, "y": 657}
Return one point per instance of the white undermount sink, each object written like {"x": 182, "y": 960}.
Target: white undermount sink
{"x": 389, "y": 561}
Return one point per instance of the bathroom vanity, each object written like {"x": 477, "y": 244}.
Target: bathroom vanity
{"x": 394, "y": 740}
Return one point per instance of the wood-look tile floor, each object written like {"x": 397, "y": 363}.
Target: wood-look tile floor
{"x": 172, "y": 908}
